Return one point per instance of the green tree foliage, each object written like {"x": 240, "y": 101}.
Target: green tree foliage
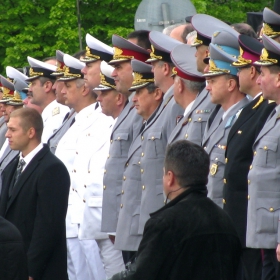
{"x": 37, "y": 28}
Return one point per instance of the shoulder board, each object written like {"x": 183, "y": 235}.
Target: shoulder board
{"x": 55, "y": 111}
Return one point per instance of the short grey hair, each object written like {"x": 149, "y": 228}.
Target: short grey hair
{"x": 193, "y": 86}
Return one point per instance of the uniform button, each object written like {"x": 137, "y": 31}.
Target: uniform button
{"x": 255, "y": 153}
{"x": 73, "y": 189}
{"x": 108, "y": 156}
{"x": 248, "y": 197}
{"x": 239, "y": 131}
{"x": 139, "y": 162}
{"x": 142, "y": 154}
{"x": 216, "y": 158}
{"x": 153, "y": 138}
{"x": 271, "y": 209}
{"x": 225, "y": 180}
{"x": 84, "y": 200}
{"x": 142, "y": 138}
{"x": 122, "y": 191}
{"x": 205, "y": 148}
{"x": 190, "y": 119}
{"x": 265, "y": 147}
{"x": 249, "y": 182}
{"x": 75, "y": 170}
{"x": 251, "y": 166}
{"x": 119, "y": 138}
{"x": 124, "y": 178}
{"x": 142, "y": 171}
{"x": 143, "y": 187}
{"x": 127, "y": 164}
{"x": 226, "y": 160}
{"x": 111, "y": 141}
{"x": 199, "y": 119}
{"x": 85, "y": 186}
{"x": 121, "y": 205}
{"x": 104, "y": 187}
{"x": 105, "y": 171}
{"x": 186, "y": 136}
{"x": 224, "y": 201}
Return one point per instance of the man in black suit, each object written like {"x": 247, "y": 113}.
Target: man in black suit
{"x": 239, "y": 153}
{"x": 35, "y": 197}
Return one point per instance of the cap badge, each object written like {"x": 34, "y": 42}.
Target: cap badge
{"x": 104, "y": 82}
{"x": 267, "y": 30}
{"x": 265, "y": 57}
{"x": 153, "y": 55}
{"x": 118, "y": 54}
{"x": 89, "y": 54}
{"x": 32, "y": 73}
{"x": 214, "y": 68}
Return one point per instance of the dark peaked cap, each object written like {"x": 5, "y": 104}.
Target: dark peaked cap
{"x": 142, "y": 73}
{"x": 205, "y": 26}
{"x": 183, "y": 57}
{"x": 125, "y": 50}
{"x": 96, "y": 50}
{"x": 271, "y": 26}
{"x": 250, "y": 51}
{"x": 162, "y": 46}
{"x": 270, "y": 53}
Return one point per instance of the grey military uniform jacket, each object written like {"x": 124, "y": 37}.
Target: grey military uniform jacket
{"x": 6, "y": 158}
{"x": 214, "y": 143}
{"x": 263, "y": 226}
{"x": 3, "y": 130}
{"x": 192, "y": 126}
{"x": 58, "y": 134}
{"x": 124, "y": 131}
{"x": 154, "y": 141}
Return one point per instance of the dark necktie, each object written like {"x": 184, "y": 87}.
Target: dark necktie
{"x": 66, "y": 117}
{"x": 20, "y": 166}
{"x": 213, "y": 115}
{"x": 72, "y": 122}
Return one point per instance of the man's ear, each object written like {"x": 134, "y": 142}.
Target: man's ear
{"x": 31, "y": 132}
{"x": 48, "y": 86}
{"x": 158, "y": 94}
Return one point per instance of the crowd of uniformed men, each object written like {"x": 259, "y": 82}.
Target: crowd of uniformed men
{"x": 109, "y": 114}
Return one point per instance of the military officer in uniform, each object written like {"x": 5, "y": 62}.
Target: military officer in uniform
{"x": 126, "y": 128}
{"x": 42, "y": 94}
{"x": 271, "y": 24}
{"x": 239, "y": 154}
{"x": 263, "y": 178}
{"x": 57, "y": 87}
{"x": 155, "y": 134}
{"x": 147, "y": 100}
{"x": 222, "y": 82}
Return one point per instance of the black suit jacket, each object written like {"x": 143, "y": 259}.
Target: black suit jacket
{"x": 37, "y": 207}
{"x": 239, "y": 156}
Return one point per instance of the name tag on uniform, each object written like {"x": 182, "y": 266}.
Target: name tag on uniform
{"x": 95, "y": 201}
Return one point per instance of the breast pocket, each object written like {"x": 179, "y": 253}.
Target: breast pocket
{"x": 267, "y": 152}
{"x": 121, "y": 144}
{"x": 199, "y": 122}
{"x": 267, "y": 212}
{"x": 154, "y": 145}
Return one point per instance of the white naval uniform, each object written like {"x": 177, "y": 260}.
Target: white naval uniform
{"x": 53, "y": 116}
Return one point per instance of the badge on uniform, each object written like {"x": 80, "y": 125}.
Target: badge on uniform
{"x": 55, "y": 111}
{"x": 213, "y": 169}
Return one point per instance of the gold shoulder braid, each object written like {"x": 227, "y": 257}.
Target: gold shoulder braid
{"x": 118, "y": 54}
{"x": 32, "y": 73}
{"x": 258, "y": 103}
{"x": 152, "y": 54}
{"x": 89, "y": 54}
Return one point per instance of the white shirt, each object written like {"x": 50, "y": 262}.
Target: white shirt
{"x": 257, "y": 95}
{"x": 4, "y": 147}
{"x": 53, "y": 116}
{"x": 27, "y": 159}
{"x": 188, "y": 108}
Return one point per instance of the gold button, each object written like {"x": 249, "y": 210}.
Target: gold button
{"x": 142, "y": 154}
{"x": 124, "y": 178}
{"x": 104, "y": 187}
{"x": 108, "y": 156}
{"x": 255, "y": 153}
{"x": 216, "y": 158}
{"x": 85, "y": 186}
{"x": 142, "y": 138}
{"x": 190, "y": 119}
{"x": 153, "y": 138}
{"x": 143, "y": 187}
{"x": 127, "y": 164}
{"x": 199, "y": 119}
{"x": 121, "y": 205}
{"x": 84, "y": 200}
{"x": 142, "y": 171}
{"x": 251, "y": 166}
{"x": 265, "y": 147}
{"x": 249, "y": 182}
{"x": 205, "y": 148}
{"x": 248, "y": 197}
{"x": 139, "y": 162}
{"x": 122, "y": 191}
{"x": 271, "y": 209}
{"x": 224, "y": 201}
{"x": 225, "y": 180}
{"x": 186, "y": 136}
{"x": 105, "y": 171}
{"x": 111, "y": 141}
{"x": 239, "y": 131}
{"x": 119, "y": 138}
{"x": 226, "y": 160}
{"x": 89, "y": 171}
